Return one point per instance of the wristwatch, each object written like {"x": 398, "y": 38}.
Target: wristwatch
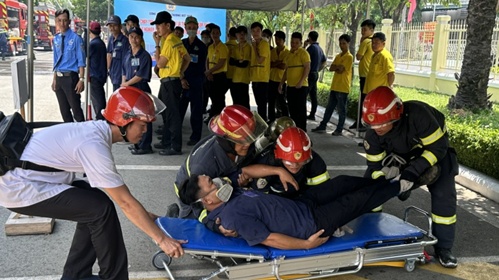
{"x": 82, "y": 79}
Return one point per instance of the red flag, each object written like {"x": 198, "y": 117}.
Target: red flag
{"x": 412, "y": 7}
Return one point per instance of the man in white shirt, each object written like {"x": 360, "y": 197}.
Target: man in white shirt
{"x": 86, "y": 148}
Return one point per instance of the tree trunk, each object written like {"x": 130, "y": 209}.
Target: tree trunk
{"x": 473, "y": 82}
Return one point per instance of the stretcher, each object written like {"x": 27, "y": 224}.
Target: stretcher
{"x": 377, "y": 239}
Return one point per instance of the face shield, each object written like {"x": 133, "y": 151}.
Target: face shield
{"x": 146, "y": 108}
{"x": 247, "y": 133}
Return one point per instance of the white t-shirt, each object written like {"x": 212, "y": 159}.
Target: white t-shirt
{"x": 73, "y": 147}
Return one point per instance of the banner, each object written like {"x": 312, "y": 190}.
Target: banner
{"x": 146, "y": 12}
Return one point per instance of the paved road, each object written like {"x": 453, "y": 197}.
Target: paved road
{"x": 150, "y": 178}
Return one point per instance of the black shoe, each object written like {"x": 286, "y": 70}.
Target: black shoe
{"x": 160, "y": 146}
{"x": 353, "y": 126}
{"x": 172, "y": 210}
{"x": 319, "y": 129}
{"x": 445, "y": 258}
{"x": 311, "y": 117}
{"x": 131, "y": 147}
{"x": 404, "y": 196}
{"x": 142, "y": 151}
{"x": 362, "y": 128}
{"x": 160, "y": 137}
{"x": 192, "y": 142}
{"x": 336, "y": 133}
{"x": 170, "y": 152}
{"x": 159, "y": 131}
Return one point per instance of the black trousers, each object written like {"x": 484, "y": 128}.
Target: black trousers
{"x": 170, "y": 92}
{"x": 362, "y": 82}
{"x": 312, "y": 91}
{"x": 68, "y": 99}
{"x": 194, "y": 96}
{"x": 98, "y": 97}
{"x": 98, "y": 232}
{"x": 260, "y": 91}
{"x": 240, "y": 94}
{"x": 218, "y": 87}
{"x": 344, "y": 198}
{"x": 297, "y": 103}
{"x": 444, "y": 201}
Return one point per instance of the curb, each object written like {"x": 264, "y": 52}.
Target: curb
{"x": 467, "y": 177}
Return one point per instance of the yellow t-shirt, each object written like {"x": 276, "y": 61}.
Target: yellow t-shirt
{"x": 295, "y": 67}
{"x": 381, "y": 65}
{"x": 242, "y": 75}
{"x": 215, "y": 53}
{"x": 231, "y": 45}
{"x": 276, "y": 73}
{"x": 366, "y": 51}
{"x": 260, "y": 72}
{"x": 173, "y": 49}
{"x": 341, "y": 81}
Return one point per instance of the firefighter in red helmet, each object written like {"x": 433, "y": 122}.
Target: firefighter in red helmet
{"x": 85, "y": 147}
{"x": 409, "y": 141}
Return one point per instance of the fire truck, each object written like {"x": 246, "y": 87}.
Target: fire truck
{"x": 44, "y": 25}
{"x": 13, "y": 19}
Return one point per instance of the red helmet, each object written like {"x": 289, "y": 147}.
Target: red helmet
{"x": 238, "y": 124}
{"x": 293, "y": 145}
{"x": 381, "y": 106}
{"x": 127, "y": 104}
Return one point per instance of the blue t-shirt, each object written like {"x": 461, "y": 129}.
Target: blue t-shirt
{"x": 317, "y": 56}
{"x": 118, "y": 49}
{"x": 74, "y": 55}
{"x": 97, "y": 60}
{"x": 198, "y": 52}
{"x": 255, "y": 215}
{"x": 139, "y": 65}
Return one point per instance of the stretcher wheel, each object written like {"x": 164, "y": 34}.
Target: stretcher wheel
{"x": 410, "y": 265}
{"x": 159, "y": 258}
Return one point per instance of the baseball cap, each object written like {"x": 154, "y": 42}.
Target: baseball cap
{"x": 114, "y": 19}
{"x": 280, "y": 35}
{"x": 136, "y": 30}
{"x": 132, "y": 18}
{"x": 191, "y": 19}
{"x": 162, "y": 17}
{"x": 380, "y": 35}
{"x": 94, "y": 27}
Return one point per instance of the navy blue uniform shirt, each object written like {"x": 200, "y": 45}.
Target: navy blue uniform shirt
{"x": 139, "y": 65}
{"x": 317, "y": 56}
{"x": 118, "y": 49}
{"x": 97, "y": 60}
{"x": 198, "y": 52}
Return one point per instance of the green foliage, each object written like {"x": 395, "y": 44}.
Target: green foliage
{"x": 98, "y": 9}
{"x": 474, "y": 136}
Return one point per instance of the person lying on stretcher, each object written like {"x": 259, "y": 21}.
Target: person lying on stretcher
{"x": 282, "y": 223}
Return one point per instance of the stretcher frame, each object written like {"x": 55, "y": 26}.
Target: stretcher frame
{"x": 259, "y": 266}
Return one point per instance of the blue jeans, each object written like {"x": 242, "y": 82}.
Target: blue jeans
{"x": 339, "y": 101}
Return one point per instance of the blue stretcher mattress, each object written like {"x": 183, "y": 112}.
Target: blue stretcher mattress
{"x": 372, "y": 229}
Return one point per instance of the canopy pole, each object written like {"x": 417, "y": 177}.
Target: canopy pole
{"x": 303, "y": 17}
{"x": 30, "y": 61}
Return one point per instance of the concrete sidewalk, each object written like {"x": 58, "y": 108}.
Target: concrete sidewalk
{"x": 468, "y": 178}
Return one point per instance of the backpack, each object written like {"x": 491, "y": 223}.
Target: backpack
{"x": 14, "y": 136}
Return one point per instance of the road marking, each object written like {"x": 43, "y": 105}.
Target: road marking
{"x": 177, "y": 167}
{"x": 472, "y": 270}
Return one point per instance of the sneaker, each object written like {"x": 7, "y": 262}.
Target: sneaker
{"x": 336, "y": 133}
{"x": 445, "y": 258}
{"x": 311, "y": 117}
{"x": 131, "y": 147}
{"x": 319, "y": 129}
{"x": 170, "y": 152}
{"x": 172, "y": 210}
{"x": 141, "y": 151}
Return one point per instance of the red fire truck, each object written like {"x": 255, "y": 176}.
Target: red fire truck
{"x": 13, "y": 18}
{"x": 44, "y": 25}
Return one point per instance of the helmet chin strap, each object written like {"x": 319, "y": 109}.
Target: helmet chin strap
{"x": 123, "y": 132}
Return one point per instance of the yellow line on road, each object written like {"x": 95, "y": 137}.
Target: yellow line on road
{"x": 475, "y": 271}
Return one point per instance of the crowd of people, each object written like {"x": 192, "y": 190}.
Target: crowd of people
{"x": 252, "y": 165}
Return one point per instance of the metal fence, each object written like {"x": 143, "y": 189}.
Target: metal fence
{"x": 411, "y": 46}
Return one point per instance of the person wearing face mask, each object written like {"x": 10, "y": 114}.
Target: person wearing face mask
{"x": 267, "y": 36}
{"x": 193, "y": 90}
{"x": 282, "y": 223}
